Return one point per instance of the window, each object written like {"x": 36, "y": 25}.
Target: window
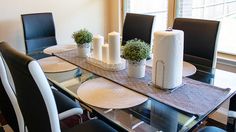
{"x": 158, "y": 8}
{"x": 222, "y": 10}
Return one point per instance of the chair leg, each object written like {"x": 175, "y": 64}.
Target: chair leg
{"x": 89, "y": 116}
{"x": 234, "y": 129}
{"x": 231, "y": 125}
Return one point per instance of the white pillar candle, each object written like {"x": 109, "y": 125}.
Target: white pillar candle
{"x": 105, "y": 53}
{"x": 98, "y": 41}
{"x": 114, "y": 47}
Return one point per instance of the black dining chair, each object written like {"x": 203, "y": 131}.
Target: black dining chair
{"x": 39, "y": 33}
{"x": 231, "y": 124}
{"x": 200, "y": 37}
{"x": 137, "y": 26}
{"x": 35, "y": 97}
{"x": 8, "y": 102}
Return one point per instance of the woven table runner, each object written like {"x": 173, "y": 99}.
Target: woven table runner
{"x": 193, "y": 97}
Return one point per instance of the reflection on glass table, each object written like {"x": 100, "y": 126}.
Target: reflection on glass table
{"x": 149, "y": 116}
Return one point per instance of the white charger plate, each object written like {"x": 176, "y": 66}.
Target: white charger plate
{"x": 55, "y": 64}
{"x": 59, "y": 48}
{"x": 103, "y": 93}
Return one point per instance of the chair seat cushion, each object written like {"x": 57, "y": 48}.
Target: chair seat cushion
{"x": 63, "y": 102}
{"x": 38, "y": 55}
{"x": 94, "y": 125}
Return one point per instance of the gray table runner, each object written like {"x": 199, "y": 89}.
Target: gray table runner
{"x": 193, "y": 97}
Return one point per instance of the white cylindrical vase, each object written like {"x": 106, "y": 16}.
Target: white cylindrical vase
{"x": 84, "y": 50}
{"x": 136, "y": 69}
{"x": 114, "y": 47}
{"x": 168, "y": 59}
{"x": 98, "y": 41}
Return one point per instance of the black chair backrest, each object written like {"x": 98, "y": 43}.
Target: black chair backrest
{"x": 199, "y": 40}
{"x": 8, "y": 103}
{"x": 39, "y": 31}
{"x": 137, "y": 26}
{"x": 33, "y": 92}
{"x": 7, "y": 109}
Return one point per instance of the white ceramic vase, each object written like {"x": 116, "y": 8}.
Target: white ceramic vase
{"x": 84, "y": 50}
{"x": 136, "y": 69}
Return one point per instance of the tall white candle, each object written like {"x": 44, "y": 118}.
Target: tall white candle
{"x": 98, "y": 41}
{"x": 105, "y": 53}
{"x": 114, "y": 47}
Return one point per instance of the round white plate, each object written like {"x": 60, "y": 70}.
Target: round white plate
{"x": 55, "y": 64}
{"x": 59, "y": 48}
{"x": 188, "y": 69}
{"x": 103, "y": 93}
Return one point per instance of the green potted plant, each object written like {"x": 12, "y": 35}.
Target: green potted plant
{"x": 83, "y": 39}
{"x": 136, "y": 52}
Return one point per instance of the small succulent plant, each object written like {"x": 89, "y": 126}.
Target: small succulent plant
{"x": 136, "y": 50}
{"x": 82, "y": 36}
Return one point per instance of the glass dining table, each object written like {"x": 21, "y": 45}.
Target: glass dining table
{"x": 151, "y": 115}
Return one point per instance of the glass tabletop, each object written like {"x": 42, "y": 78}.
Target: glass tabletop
{"x": 149, "y": 116}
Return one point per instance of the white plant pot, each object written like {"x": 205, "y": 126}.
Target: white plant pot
{"x": 84, "y": 50}
{"x": 136, "y": 69}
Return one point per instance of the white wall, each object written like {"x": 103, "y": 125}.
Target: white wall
{"x": 69, "y": 16}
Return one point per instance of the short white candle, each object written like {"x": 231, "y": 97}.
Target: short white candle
{"x": 105, "y": 53}
{"x": 114, "y": 47}
{"x": 98, "y": 41}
